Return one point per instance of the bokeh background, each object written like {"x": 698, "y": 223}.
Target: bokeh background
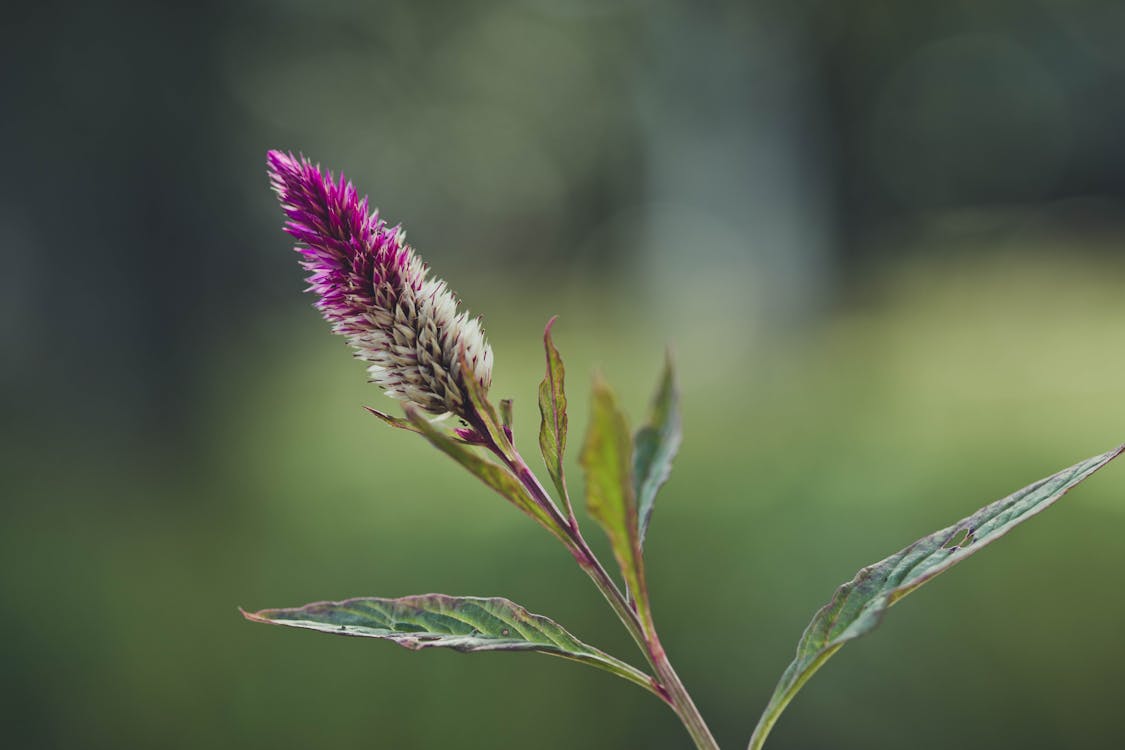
{"x": 884, "y": 239}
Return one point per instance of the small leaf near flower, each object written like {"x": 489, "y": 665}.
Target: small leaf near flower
{"x": 552, "y": 408}
{"x": 656, "y": 445}
{"x": 492, "y": 474}
{"x": 402, "y": 424}
{"x": 607, "y": 458}
{"x": 484, "y": 413}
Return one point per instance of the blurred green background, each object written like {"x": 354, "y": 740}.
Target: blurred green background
{"x": 884, "y": 239}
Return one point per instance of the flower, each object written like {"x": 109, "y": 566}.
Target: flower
{"x": 376, "y": 292}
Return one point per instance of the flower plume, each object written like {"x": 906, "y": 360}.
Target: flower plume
{"x": 377, "y": 293}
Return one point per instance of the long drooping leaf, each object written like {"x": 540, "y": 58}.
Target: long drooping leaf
{"x": 858, "y": 606}
{"x": 552, "y": 407}
{"x": 656, "y": 444}
{"x": 459, "y": 623}
{"x": 493, "y": 474}
{"x": 607, "y": 458}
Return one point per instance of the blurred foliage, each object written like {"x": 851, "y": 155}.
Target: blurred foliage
{"x": 883, "y": 238}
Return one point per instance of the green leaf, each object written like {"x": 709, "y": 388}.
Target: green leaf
{"x": 656, "y": 445}
{"x": 552, "y": 407}
{"x": 484, "y": 410}
{"x": 460, "y": 623}
{"x": 493, "y": 474}
{"x": 402, "y": 424}
{"x": 858, "y": 606}
{"x": 607, "y": 458}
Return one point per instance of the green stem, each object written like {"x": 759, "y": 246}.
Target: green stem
{"x": 649, "y": 643}
{"x": 685, "y": 707}
{"x": 778, "y": 703}
{"x": 582, "y": 553}
{"x": 640, "y": 628}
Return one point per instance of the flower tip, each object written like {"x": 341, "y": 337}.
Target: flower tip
{"x": 280, "y": 166}
{"x": 275, "y": 157}
{"x": 275, "y": 160}
{"x": 285, "y": 166}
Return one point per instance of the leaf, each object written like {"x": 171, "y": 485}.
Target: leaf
{"x": 552, "y": 407}
{"x": 607, "y": 458}
{"x": 484, "y": 410}
{"x": 858, "y": 606}
{"x": 656, "y": 444}
{"x": 460, "y": 623}
{"x": 494, "y": 475}
{"x": 402, "y": 424}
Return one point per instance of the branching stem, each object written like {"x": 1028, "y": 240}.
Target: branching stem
{"x": 639, "y": 624}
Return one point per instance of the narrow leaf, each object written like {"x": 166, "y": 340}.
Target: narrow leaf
{"x": 493, "y": 474}
{"x": 656, "y": 445}
{"x": 858, "y": 606}
{"x": 402, "y": 424}
{"x": 552, "y": 407}
{"x": 464, "y": 624}
{"x": 466, "y": 435}
{"x": 485, "y": 411}
{"x": 607, "y": 458}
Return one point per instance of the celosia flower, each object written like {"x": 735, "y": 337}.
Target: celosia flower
{"x": 376, "y": 292}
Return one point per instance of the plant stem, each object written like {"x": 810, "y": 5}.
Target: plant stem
{"x": 685, "y": 706}
{"x": 640, "y": 627}
{"x": 778, "y": 703}
{"x": 647, "y": 639}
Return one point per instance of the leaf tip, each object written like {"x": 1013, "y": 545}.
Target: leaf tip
{"x": 598, "y": 381}
{"x": 252, "y": 616}
{"x": 380, "y": 414}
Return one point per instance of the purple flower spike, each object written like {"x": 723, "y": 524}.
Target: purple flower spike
{"x": 375, "y": 291}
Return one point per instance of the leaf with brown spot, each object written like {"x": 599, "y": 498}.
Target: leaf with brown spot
{"x": 858, "y": 606}
{"x": 461, "y": 623}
